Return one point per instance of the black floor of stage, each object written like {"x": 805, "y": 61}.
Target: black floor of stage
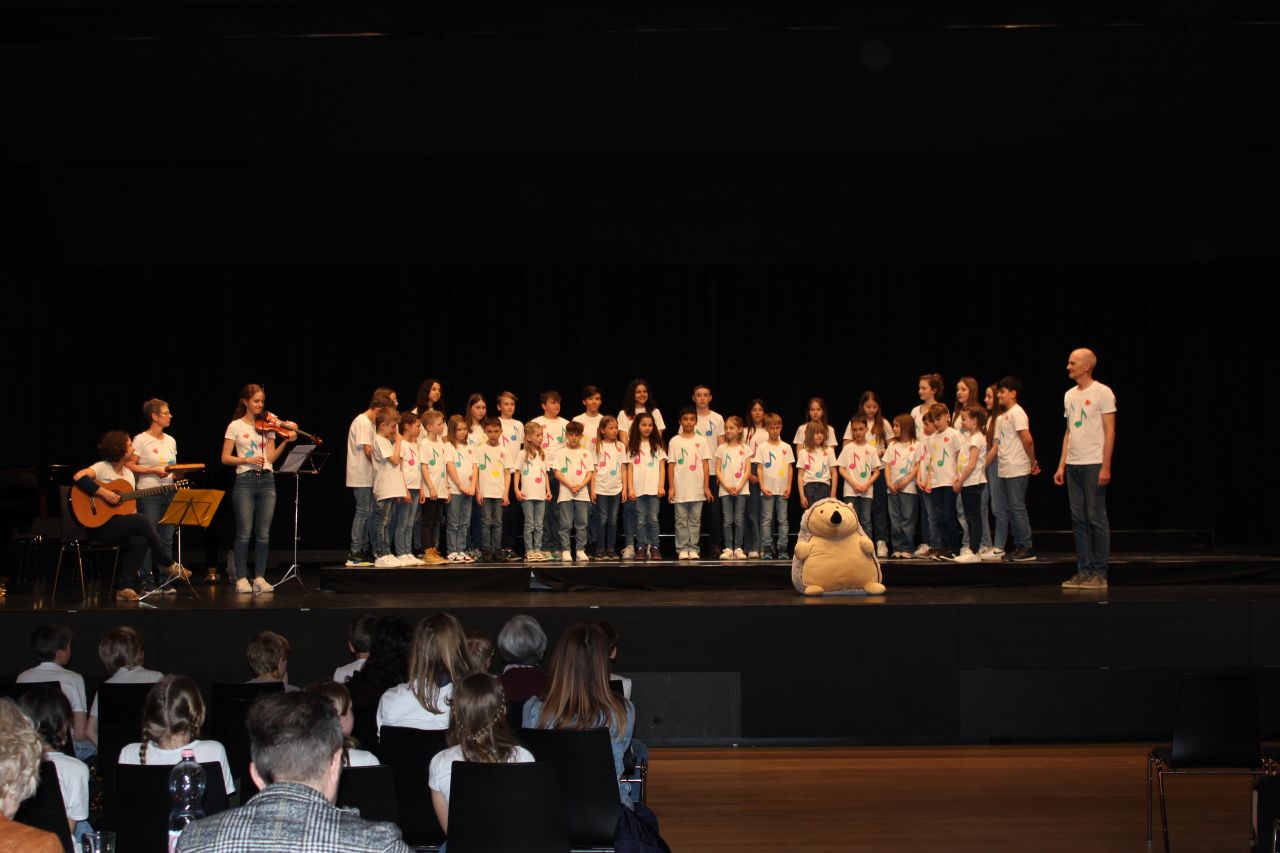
{"x": 951, "y": 654}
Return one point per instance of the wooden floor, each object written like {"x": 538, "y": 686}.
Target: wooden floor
{"x": 926, "y": 799}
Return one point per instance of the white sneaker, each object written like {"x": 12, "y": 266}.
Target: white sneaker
{"x": 628, "y": 553}
{"x": 695, "y": 554}
{"x": 991, "y": 554}
{"x": 966, "y": 550}
{"x": 386, "y": 561}
{"x": 882, "y": 549}
{"x": 410, "y": 560}
{"x": 753, "y": 555}
{"x": 243, "y": 585}
{"x": 260, "y": 585}
{"x": 582, "y": 557}
{"x": 566, "y": 556}
{"x": 967, "y": 556}
{"x": 923, "y": 550}
{"x": 739, "y": 554}
{"x": 726, "y": 554}
{"x": 685, "y": 554}
{"x": 464, "y": 557}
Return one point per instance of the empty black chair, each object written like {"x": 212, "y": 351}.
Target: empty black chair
{"x": 1215, "y": 733}
{"x": 46, "y": 810}
{"x": 364, "y": 729}
{"x": 506, "y": 808}
{"x": 11, "y": 689}
{"x": 143, "y": 804}
{"x": 228, "y": 709}
{"x": 588, "y": 784}
{"x": 371, "y": 790}
{"x": 119, "y": 724}
{"x": 409, "y": 752}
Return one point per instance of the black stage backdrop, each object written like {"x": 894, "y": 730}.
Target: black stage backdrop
{"x": 1190, "y": 356}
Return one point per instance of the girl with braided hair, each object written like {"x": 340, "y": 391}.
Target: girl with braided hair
{"x": 171, "y": 722}
{"x": 478, "y": 732}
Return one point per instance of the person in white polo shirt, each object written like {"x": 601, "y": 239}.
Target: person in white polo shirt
{"x": 1085, "y": 466}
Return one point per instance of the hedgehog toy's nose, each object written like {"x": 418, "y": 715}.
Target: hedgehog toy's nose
{"x": 835, "y": 517}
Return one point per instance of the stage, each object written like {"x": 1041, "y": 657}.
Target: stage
{"x": 728, "y": 653}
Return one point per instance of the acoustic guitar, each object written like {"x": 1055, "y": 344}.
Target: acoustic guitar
{"x": 92, "y": 511}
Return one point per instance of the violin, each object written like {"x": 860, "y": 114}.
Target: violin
{"x": 285, "y": 429}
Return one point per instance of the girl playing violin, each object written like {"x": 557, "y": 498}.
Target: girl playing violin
{"x": 252, "y": 451}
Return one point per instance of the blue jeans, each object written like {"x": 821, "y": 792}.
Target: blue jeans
{"x": 688, "y": 525}
{"x": 154, "y": 508}
{"x": 1089, "y": 522}
{"x": 383, "y": 512}
{"x": 879, "y": 512}
{"x": 985, "y": 511}
{"x": 944, "y": 526}
{"x": 863, "y": 506}
{"x": 405, "y": 522}
{"x": 815, "y": 492}
{"x": 1015, "y": 509}
{"x": 902, "y": 520}
{"x": 534, "y": 513}
{"x": 630, "y": 520}
{"x": 254, "y": 500}
{"x": 924, "y": 509}
{"x": 551, "y": 525}
{"x": 751, "y": 539}
{"x": 714, "y": 521}
{"x": 645, "y": 518}
{"x": 773, "y": 508}
{"x": 734, "y": 509}
{"x": 491, "y": 524}
{"x": 606, "y": 522}
{"x": 361, "y": 538}
{"x": 573, "y": 516}
{"x": 995, "y": 494}
{"x": 458, "y": 519}
{"x": 972, "y": 497}
{"x": 964, "y": 523}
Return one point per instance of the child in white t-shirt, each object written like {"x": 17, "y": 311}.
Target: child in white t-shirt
{"x": 405, "y": 517}
{"x": 859, "y": 466}
{"x": 902, "y": 466}
{"x": 645, "y": 480}
{"x": 937, "y": 479}
{"x": 711, "y": 428}
{"x": 388, "y": 485}
{"x": 816, "y": 465}
{"x": 475, "y": 413}
{"x": 512, "y": 439}
{"x": 610, "y": 456}
{"x": 636, "y": 400}
{"x": 174, "y": 715}
{"x": 493, "y": 473}
{"x": 49, "y": 710}
{"x": 433, "y": 456}
{"x": 533, "y": 490}
{"x": 971, "y": 482}
{"x": 359, "y": 476}
{"x": 733, "y": 466}
{"x": 553, "y": 437}
{"x": 460, "y": 463}
{"x": 574, "y": 468}
{"x": 1018, "y": 464}
{"x": 688, "y": 474}
{"x": 774, "y": 460}
{"x": 754, "y": 434}
{"x": 817, "y": 415}
{"x": 590, "y": 420}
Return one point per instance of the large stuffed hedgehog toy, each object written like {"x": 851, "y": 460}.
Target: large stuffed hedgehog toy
{"x": 833, "y": 556}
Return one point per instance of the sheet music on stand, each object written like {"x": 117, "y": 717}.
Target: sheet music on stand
{"x": 301, "y": 460}
{"x": 189, "y": 508}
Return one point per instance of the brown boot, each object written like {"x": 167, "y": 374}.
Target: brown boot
{"x": 433, "y": 558}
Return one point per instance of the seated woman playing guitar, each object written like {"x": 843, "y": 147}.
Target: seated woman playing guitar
{"x": 116, "y": 448}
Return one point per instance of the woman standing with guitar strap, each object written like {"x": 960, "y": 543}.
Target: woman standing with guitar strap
{"x": 116, "y": 450}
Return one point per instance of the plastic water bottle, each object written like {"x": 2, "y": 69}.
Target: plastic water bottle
{"x": 186, "y": 786}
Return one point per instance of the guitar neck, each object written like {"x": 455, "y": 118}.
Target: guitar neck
{"x": 146, "y": 493}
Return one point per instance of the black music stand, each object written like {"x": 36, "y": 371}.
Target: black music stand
{"x": 301, "y": 460}
{"x": 189, "y": 508}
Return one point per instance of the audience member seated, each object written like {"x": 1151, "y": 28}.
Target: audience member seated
{"x": 522, "y": 643}
{"x": 51, "y": 646}
{"x": 296, "y": 745}
{"x": 171, "y": 722}
{"x": 268, "y": 655}
{"x": 437, "y": 660}
{"x": 20, "y": 751}
{"x": 50, "y": 711}
{"x": 360, "y": 635}
{"x": 478, "y": 731}
{"x": 578, "y": 695}
{"x": 387, "y": 664}
{"x": 480, "y": 651}
{"x": 122, "y": 655}
{"x": 341, "y": 700}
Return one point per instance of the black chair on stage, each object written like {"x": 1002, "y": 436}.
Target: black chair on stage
{"x": 142, "y": 793}
{"x": 1215, "y": 733}
{"x": 228, "y": 710}
{"x": 506, "y": 808}
{"x": 408, "y": 752}
{"x": 588, "y": 785}
{"x": 119, "y": 724}
{"x": 372, "y": 790}
{"x": 76, "y": 538}
{"x": 46, "y": 809}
